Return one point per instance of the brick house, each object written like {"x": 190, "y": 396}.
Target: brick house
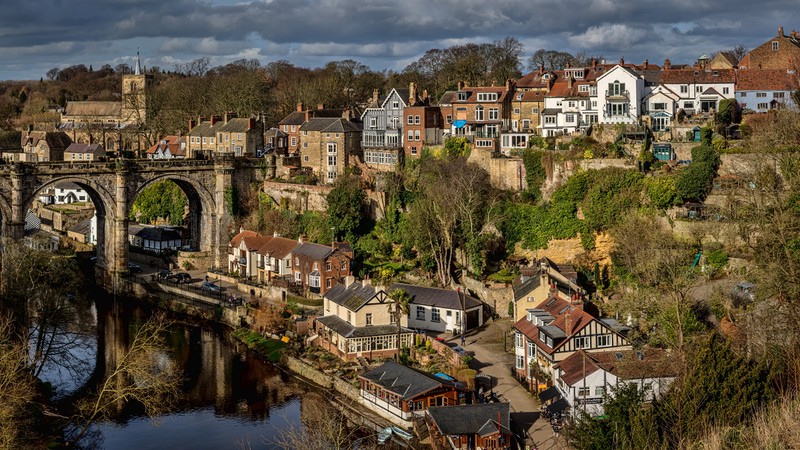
{"x": 328, "y": 143}
{"x": 320, "y": 267}
{"x": 780, "y": 52}
{"x": 480, "y": 113}
{"x": 537, "y": 283}
{"x": 424, "y": 126}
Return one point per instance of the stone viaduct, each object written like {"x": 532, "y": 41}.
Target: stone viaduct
{"x": 113, "y": 187}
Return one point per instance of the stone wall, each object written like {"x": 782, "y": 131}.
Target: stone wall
{"x": 496, "y": 295}
{"x": 298, "y": 197}
{"x": 506, "y": 173}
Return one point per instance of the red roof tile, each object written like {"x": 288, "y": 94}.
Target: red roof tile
{"x": 766, "y": 80}
{"x": 688, "y": 76}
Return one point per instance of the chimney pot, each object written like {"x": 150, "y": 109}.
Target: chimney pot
{"x": 667, "y": 64}
{"x": 621, "y": 61}
{"x": 780, "y": 31}
{"x": 300, "y": 107}
{"x": 646, "y": 63}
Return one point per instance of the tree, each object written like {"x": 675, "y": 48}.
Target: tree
{"x": 400, "y": 299}
{"x": 140, "y": 375}
{"x": 550, "y": 60}
{"x": 345, "y": 207}
{"x": 162, "y": 200}
{"x": 16, "y": 387}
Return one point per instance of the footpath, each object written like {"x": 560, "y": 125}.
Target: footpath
{"x": 491, "y": 359}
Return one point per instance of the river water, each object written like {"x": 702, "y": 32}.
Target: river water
{"x": 230, "y": 400}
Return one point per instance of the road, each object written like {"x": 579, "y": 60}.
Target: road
{"x": 490, "y": 358}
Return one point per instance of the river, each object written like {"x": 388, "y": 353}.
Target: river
{"x": 230, "y": 400}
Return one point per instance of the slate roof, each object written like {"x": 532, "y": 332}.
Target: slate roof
{"x": 278, "y": 247}
{"x": 294, "y": 118}
{"x": 158, "y": 234}
{"x": 234, "y": 125}
{"x": 344, "y": 329}
{"x": 54, "y": 139}
{"x": 766, "y": 80}
{"x": 93, "y": 109}
{"x": 83, "y": 227}
{"x": 472, "y": 94}
{"x": 352, "y": 297}
{"x": 527, "y": 286}
{"x": 203, "y": 129}
{"x": 404, "y": 381}
{"x": 480, "y": 419}
{"x": 275, "y": 132}
{"x": 442, "y": 298}
{"x": 448, "y": 98}
{"x": 626, "y": 365}
{"x": 84, "y": 148}
{"x": 314, "y": 251}
{"x": 330, "y": 125}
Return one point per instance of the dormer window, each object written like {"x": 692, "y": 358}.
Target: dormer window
{"x": 462, "y": 96}
{"x": 487, "y": 97}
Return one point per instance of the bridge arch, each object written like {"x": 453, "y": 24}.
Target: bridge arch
{"x": 201, "y": 202}
{"x": 104, "y": 206}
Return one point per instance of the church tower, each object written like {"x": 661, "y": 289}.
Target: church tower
{"x": 134, "y": 94}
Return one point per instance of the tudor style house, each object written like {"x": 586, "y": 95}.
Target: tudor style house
{"x": 328, "y": 144}
{"x": 169, "y": 147}
{"x": 441, "y": 310}
{"x": 584, "y": 378}
{"x": 384, "y": 123}
{"x": 398, "y": 392}
{"x": 554, "y": 330}
{"x": 483, "y": 426}
{"x": 359, "y": 322}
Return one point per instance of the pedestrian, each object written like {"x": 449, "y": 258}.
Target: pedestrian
{"x": 463, "y": 340}
{"x": 206, "y": 278}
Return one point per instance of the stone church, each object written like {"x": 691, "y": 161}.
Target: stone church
{"x": 114, "y": 125}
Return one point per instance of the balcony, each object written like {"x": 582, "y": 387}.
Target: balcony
{"x": 381, "y": 139}
{"x": 618, "y": 95}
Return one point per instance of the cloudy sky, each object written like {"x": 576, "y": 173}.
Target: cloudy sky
{"x": 36, "y": 35}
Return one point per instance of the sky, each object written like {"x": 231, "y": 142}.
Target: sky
{"x": 37, "y": 35}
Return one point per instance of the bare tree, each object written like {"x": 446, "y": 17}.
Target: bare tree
{"x": 16, "y": 387}
{"x": 143, "y": 374}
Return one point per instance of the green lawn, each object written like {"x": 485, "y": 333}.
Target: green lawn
{"x": 265, "y": 347}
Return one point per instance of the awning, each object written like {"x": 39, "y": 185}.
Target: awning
{"x": 549, "y": 394}
{"x": 558, "y": 406}
{"x": 460, "y": 123}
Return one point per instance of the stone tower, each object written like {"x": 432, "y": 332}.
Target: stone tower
{"x": 134, "y": 94}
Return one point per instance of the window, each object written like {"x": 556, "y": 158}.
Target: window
{"x": 462, "y": 96}
{"x": 763, "y": 106}
{"x": 416, "y": 135}
{"x": 487, "y": 97}
{"x": 305, "y": 158}
{"x": 413, "y": 150}
{"x": 775, "y": 46}
{"x": 416, "y": 120}
{"x": 516, "y": 110}
{"x": 550, "y": 120}
{"x": 535, "y": 110}
{"x": 204, "y": 140}
{"x": 373, "y": 122}
{"x": 494, "y": 114}
{"x": 420, "y": 313}
{"x": 369, "y": 319}
{"x": 520, "y": 362}
{"x": 583, "y": 88}
{"x": 328, "y": 283}
{"x": 305, "y": 144}
{"x": 435, "y": 315}
{"x": 583, "y": 391}
{"x": 526, "y": 124}
{"x": 327, "y": 266}
{"x": 331, "y": 148}
{"x": 395, "y": 105}
{"x": 599, "y": 391}
{"x": 604, "y": 340}
{"x": 484, "y": 143}
{"x": 410, "y": 135}
{"x": 688, "y": 105}
{"x": 410, "y": 120}
{"x": 449, "y": 118}
{"x": 313, "y": 281}
{"x": 294, "y": 141}
{"x": 582, "y": 342}
{"x": 297, "y": 276}
{"x": 684, "y": 89}
{"x": 518, "y": 340}
{"x": 479, "y": 113}
{"x": 531, "y": 349}
{"x": 392, "y": 319}
{"x": 616, "y": 89}
{"x": 725, "y": 90}
{"x": 331, "y": 160}
{"x": 288, "y": 263}
{"x": 594, "y": 103}
{"x": 659, "y": 106}
{"x": 761, "y": 94}
{"x": 349, "y": 318}
{"x": 777, "y": 95}
{"x": 617, "y": 109}
{"x": 570, "y": 118}
{"x": 571, "y": 104}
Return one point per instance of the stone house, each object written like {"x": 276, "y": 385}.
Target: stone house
{"x": 45, "y": 145}
{"x": 328, "y": 144}
{"x": 84, "y": 152}
{"x": 290, "y": 125}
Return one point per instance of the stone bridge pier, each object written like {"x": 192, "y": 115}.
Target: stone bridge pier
{"x": 113, "y": 188}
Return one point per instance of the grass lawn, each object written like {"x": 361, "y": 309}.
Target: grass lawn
{"x": 265, "y": 347}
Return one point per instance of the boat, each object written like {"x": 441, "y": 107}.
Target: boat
{"x": 389, "y": 432}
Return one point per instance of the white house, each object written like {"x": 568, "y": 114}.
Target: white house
{"x": 620, "y": 91}
{"x": 584, "y": 378}
{"x": 441, "y": 310}
{"x": 661, "y": 104}
{"x": 169, "y": 147}
{"x": 156, "y": 239}
{"x": 243, "y": 253}
{"x": 761, "y": 90}
{"x": 63, "y": 193}
{"x": 699, "y": 90}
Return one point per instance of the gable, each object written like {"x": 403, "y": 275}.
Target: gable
{"x": 393, "y": 96}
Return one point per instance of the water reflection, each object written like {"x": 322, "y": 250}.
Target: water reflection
{"x": 229, "y": 401}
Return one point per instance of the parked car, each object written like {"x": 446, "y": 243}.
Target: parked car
{"x": 182, "y": 277}
{"x": 210, "y": 287}
{"x": 165, "y": 274}
{"x": 134, "y": 268}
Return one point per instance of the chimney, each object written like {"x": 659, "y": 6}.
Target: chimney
{"x": 251, "y": 123}
{"x": 567, "y": 66}
{"x": 300, "y": 107}
{"x": 646, "y": 63}
{"x": 621, "y": 61}
{"x": 192, "y": 124}
{"x": 375, "y": 95}
{"x": 569, "y": 81}
{"x": 594, "y": 63}
{"x": 348, "y": 280}
{"x": 229, "y": 115}
{"x": 30, "y": 128}
{"x": 412, "y": 93}
{"x": 241, "y": 229}
{"x": 276, "y": 234}
{"x": 307, "y": 115}
{"x": 215, "y": 119}
{"x": 541, "y": 70}
{"x": 460, "y": 85}
{"x": 780, "y": 31}
{"x": 508, "y": 84}
{"x": 667, "y": 64}
{"x": 425, "y": 97}
{"x": 320, "y": 106}
{"x": 366, "y": 281}
{"x": 568, "y": 322}
{"x": 347, "y": 114}
{"x": 301, "y": 239}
